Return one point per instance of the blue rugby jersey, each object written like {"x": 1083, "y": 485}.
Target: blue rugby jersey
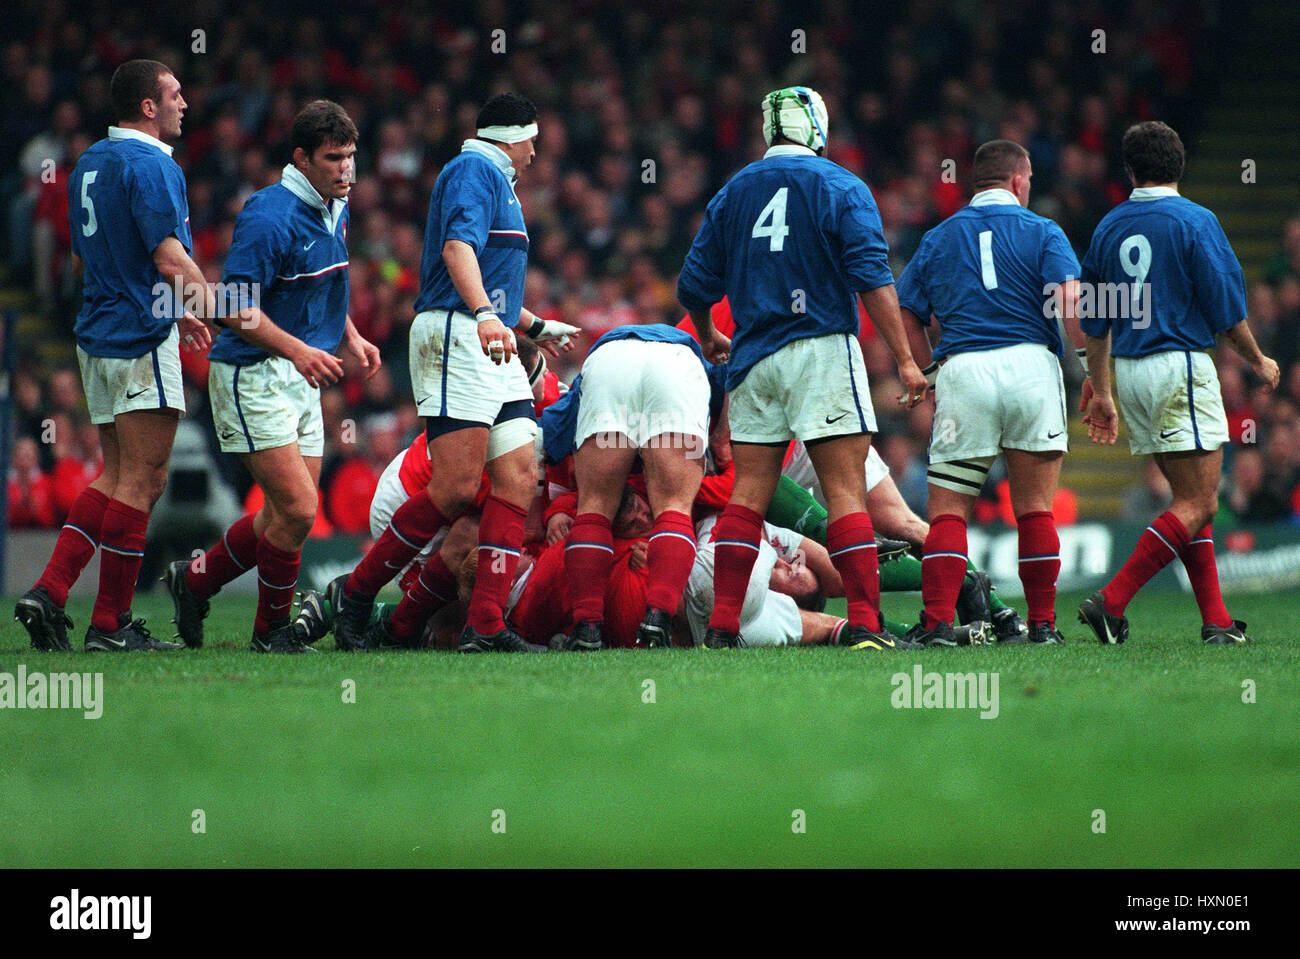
{"x": 289, "y": 257}
{"x": 788, "y": 241}
{"x": 474, "y": 201}
{"x": 1195, "y": 288}
{"x": 985, "y": 273}
{"x": 126, "y": 195}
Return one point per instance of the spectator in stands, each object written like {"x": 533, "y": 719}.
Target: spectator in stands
{"x": 1249, "y": 496}
{"x": 31, "y": 497}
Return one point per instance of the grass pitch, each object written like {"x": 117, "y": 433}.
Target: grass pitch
{"x": 447, "y": 760}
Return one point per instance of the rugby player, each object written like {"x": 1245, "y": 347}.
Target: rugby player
{"x": 647, "y": 393}
{"x": 788, "y": 241}
{"x": 477, "y": 405}
{"x": 131, "y": 231}
{"x": 289, "y": 261}
{"x": 1184, "y": 288}
{"x": 987, "y": 274}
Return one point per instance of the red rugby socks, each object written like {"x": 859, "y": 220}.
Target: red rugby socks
{"x": 588, "y": 558}
{"x": 414, "y": 524}
{"x": 1040, "y": 564}
{"x": 1163, "y": 540}
{"x": 943, "y": 567}
{"x": 500, "y": 540}
{"x": 77, "y": 543}
{"x": 852, "y": 544}
{"x": 670, "y": 557}
{"x": 122, "y": 543}
{"x": 233, "y": 555}
{"x": 736, "y": 536}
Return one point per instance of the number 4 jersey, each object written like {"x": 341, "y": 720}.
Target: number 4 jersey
{"x": 1180, "y": 283}
{"x": 788, "y": 241}
{"x": 125, "y": 196}
{"x": 986, "y": 273}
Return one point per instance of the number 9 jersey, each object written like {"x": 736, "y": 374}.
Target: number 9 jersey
{"x": 1174, "y": 253}
{"x": 788, "y": 241}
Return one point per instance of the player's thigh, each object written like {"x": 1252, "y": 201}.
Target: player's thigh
{"x": 512, "y": 453}
{"x": 144, "y": 441}
{"x": 1033, "y": 477}
{"x": 841, "y": 469}
{"x": 456, "y": 458}
{"x": 1193, "y": 474}
{"x": 942, "y": 501}
{"x": 672, "y": 474}
{"x": 600, "y": 467}
{"x": 758, "y": 470}
{"x": 285, "y": 478}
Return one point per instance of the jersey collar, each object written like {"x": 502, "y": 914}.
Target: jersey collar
{"x": 1152, "y": 192}
{"x": 493, "y": 153}
{"x": 788, "y": 150}
{"x": 125, "y": 133}
{"x": 297, "y": 183}
{"x": 994, "y": 197}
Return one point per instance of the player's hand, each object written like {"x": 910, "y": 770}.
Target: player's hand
{"x": 915, "y": 384}
{"x": 639, "y": 556}
{"x": 553, "y": 336}
{"x": 717, "y": 348}
{"x": 196, "y": 337}
{"x": 1102, "y": 419}
{"x": 1085, "y": 396}
{"x": 367, "y": 355}
{"x": 557, "y": 527}
{"x": 497, "y": 342}
{"x": 317, "y": 367}
{"x": 1267, "y": 370}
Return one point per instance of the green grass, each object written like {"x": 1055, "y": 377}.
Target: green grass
{"x": 1154, "y": 733}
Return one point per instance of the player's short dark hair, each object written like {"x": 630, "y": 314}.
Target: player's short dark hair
{"x": 322, "y": 121}
{"x": 1154, "y": 153}
{"x": 997, "y": 162}
{"x": 507, "y": 110}
{"x": 814, "y": 601}
{"x": 134, "y": 82}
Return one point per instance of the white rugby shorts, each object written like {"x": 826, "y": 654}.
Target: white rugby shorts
{"x": 986, "y": 401}
{"x": 263, "y": 406}
{"x": 642, "y": 389}
{"x": 809, "y": 389}
{"x": 1170, "y": 402}
{"x": 150, "y": 382}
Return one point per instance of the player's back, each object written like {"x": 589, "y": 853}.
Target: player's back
{"x": 985, "y": 273}
{"x": 796, "y": 235}
{"x": 1162, "y": 276}
{"x": 125, "y": 198}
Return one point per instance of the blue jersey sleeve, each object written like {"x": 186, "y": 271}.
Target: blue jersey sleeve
{"x": 468, "y": 202}
{"x": 158, "y": 204}
{"x": 700, "y": 283}
{"x": 865, "y": 257}
{"x": 1220, "y": 286}
{"x": 256, "y": 255}
{"x": 912, "y": 293}
{"x": 1058, "y": 262}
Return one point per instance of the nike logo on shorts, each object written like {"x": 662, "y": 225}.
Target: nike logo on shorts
{"x": 837, "y": 419}
{"x": 1168, "y": 433}
{"x": 1052, "y": 436}
{"x": 131, "y": 396}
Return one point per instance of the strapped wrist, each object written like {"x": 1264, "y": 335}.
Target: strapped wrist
{"x": 485, "y": 313}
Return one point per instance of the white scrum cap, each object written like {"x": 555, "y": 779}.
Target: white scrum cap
{"x": 796, "y": 113}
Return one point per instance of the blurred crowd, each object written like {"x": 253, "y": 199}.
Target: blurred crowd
{"x": 646, "y": 110}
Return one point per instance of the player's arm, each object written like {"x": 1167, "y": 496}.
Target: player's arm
{"x": 1242, "y": 340}
{"x": 817, "y": 628}
{"x": 882, "y": 307}
{"x": 701, "y": 283}
{"x": 467, "y": 278}
{"x": 550, "y": 335}
{"x": 1101, "y": 416}
{"x": 816, "y": 557}
{"x": 918, "y": 339}
{"x": 317, "y": 367}
{"x": 179, "y": 271}
{"x": 367, "y": 353}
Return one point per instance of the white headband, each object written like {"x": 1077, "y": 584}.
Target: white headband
{"x": 514, "y": 134}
